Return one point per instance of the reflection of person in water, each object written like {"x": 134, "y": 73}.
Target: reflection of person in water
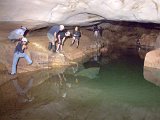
{"x": 23, "y": 92}
{"x": 101, "y": 31}
{"x": 62, "y": 84}
{"x": 138, "y": 45}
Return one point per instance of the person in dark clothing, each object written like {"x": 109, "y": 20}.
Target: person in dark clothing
{"x": 96, "y": 31}
{"x": 19, "y": 53}
{"x": 61, "y": 36}
{"x": 76, "y": 36}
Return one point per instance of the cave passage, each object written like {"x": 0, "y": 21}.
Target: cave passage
{"x": 110, "y": 85}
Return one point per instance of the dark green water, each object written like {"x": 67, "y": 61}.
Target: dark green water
{"x": 122, "y": 81}
{"x": 119, "y": 92}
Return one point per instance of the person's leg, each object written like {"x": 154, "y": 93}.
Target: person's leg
{"x": 50, "y": 38}
{"x": 73, "y": 40}
{"x": 60, "y": 78}
{"x": 58, "y": 47}
{"x": 49, "y": 46}
{"x": 64, "y": 78}
{"x": 28, "y": 59}
{"x": 54, "y": 48}
{"x": 28, "y": 86}
{"x": 54, "y": 43}
{"x": 19, "y": 89}
{"x": 14, "y": 64}
{"x": 77, "y": 42}
{"x": 61, "y": 47}
{"x": 61, "y": 44}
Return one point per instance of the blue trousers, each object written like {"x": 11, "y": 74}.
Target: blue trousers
{"x": 16, "y": 57}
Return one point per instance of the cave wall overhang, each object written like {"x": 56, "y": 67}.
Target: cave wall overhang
{"x": 83, "y": 12}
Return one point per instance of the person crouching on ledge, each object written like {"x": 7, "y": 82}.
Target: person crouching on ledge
{"x": 19, "y": 53}
{"x": 61, "y": 36}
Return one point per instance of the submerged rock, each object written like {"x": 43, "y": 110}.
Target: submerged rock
{"x": 89, "y": 72}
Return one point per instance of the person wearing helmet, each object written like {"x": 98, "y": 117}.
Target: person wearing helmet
{"x": 76, "y": 36}
{"x": 18, "y": 34}
{"x": 19, "y": 53}
{"x": 51, "y": 34}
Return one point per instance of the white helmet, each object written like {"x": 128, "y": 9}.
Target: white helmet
{"x": 24, "y": 39}
{"x": 61, "y": 27}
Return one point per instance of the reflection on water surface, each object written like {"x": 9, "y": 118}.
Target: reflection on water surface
{"x": 119, "y": 92}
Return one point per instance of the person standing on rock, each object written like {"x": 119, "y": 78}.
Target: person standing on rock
{"x": 96, "y": 31}
{"x": 76, "y": 36}
{"x": 19, "y": 53}
{"x": 18, "y": 34}
{"x": 51, "y": 34}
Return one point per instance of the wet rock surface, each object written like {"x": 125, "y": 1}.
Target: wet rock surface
{"x": 42, "y": 57}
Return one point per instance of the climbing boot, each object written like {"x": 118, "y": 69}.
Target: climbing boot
{"x": 54, "y": 48}
{"x": 49, "y": 46}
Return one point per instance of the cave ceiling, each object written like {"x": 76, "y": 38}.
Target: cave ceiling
{"x": 39, "y": 13}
